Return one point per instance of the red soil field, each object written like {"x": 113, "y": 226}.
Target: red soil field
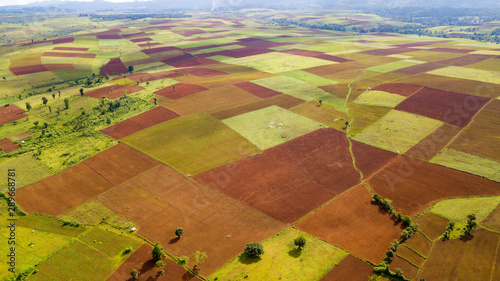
{"x": 414, "y": 185}
{"x": 423, "y": 43}
{"x": 450, "y": 50}
{"x": 28, "y": 69}
{"x": 431, "y": 145}
{"x": 8, "y": 145}
{"x": 304, "y": 53}
{"x": 139, "y": 122}
{"x": 400, "y": 89}
{"x": 181, "y": 90}
{"x": 386, "y": 52}
{"x": 192, "y": 62}
{"x": 353, "y": 222}
{"x": 142, "y": 261}
{"x": 331, "y": 69}
{"x": 323, "y": 157}
{"x": 264, "y": 44}
{"x": 382, "y": 34}
{"x": 140, "y": 61}
{"x": 200, "y": 71}
{"x": 463, "y": 86}
{"x": 419, "y": 243}
{"x": 431, "y": 225}
{"x": 19, "y": 136}
{"x": 410, "y": 271}
{"x": 114, "y": 66}
{"x": 465, "y": 60}
{"x": 59, "y": 66}
{"x": 411, "y": 256}
{"x": 149, "y": 45}
{"x": 481, "y": 136}
{"x": 467, "y": 258}
{"x": 159, "y": 49}
{"x": 332, "y": 58}
{"x": 493, "y": 220}
{"x": 144, "y": 39}
{"x": 62, "y": 191}
{"x": 11, "y": 113}
{"x": 117, "y": 91}
{"x": 257, "y": 90}
{"x": 108, "y": 36}
{"x": 69, "y": 55}
{"x": 161, "y": 200}
{"x": 350, "y": 268}
{"x": 138, "y": 34}
{"x": 176, "y": 58}
{"x": 284, "y": 101}
{"x": 453, "y": 108}
{"x": 64, "y": 40}
{"x": 243, "y": 52}
{"x": 189, "y": 32}
{"x": 70, "y": 49}
{"x": 419, "y": 68}
{"x": 267, "y": 185}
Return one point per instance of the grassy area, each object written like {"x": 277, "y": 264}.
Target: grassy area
{"x": 271, "y": 126}
{"x": 49, "y": 224}
{"x": 398, "y": 131}
{"x": 379, "y": 98}
{"x": 468, "y": 163}
{"x": 394, "y": 65}
{"x": 468, "y": 73}
{"x": 94, "y": 212}
{"x": 28, "y": 170}
{"x": 278, "y": 62}
{"x": 457, "y": 209}
{"x": 310, "y": 78}
{"x": 283, "y": 261}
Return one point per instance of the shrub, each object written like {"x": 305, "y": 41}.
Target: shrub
{"x": 254, "y": 249}
{"x": 126, "y": 251}
{"x": 300, "y": 242}
{"x": 178, "y": 232}
{"x": 407, "y": 220}
{"x": 183, "y": 260}
{"x": 159, "y": 263}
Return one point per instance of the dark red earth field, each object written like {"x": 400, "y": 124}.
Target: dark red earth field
{"x": 113, "y": 92}
{"x": 431, "y": 225}
{"x": 70, "y": 49}
{"x": 431, "y": 145}
{"x": 453, "y": 108}
{"x": 409, "y": 270}
{"x": 267, "y": 185}
{"x": 465, "y": 60}
{"x": 59, "y": 66}
{"x": 11, "y": 113}
{"x": 450, "y": 50}
{"x": 192, "y": 62}
{"x": 353, "y": 222}
{"x": 493, "y": 220}
{"x": 161, "y": 200}
{"x": 69, "y": 55}
{"x": 386, "y": 52}
{"x": 141, "y": 260}
{"x": 7, "y": 145}
{"x": 323, "y": 157}
{"x": 414, "y": 185}
{"x": 419, "y": 243}
{"x": 330, "y": 69}
{"x": 28, "y": 69}
{"x": 257, "y": 90}
{"x": 400, "y": 89}
{"x": 114, "y": 66}
{"x": 419, "y": 68}
{"x": 139, "y": 122}
{"x": 180, "y": 90}
{"x": 350, "y": 268}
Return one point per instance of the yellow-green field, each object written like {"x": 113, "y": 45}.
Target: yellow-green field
{"x": 457, "y": 209}
{"x": 379, "y": 98}
{"x": 278, "y": 62}
{"x": 468, "y": 73}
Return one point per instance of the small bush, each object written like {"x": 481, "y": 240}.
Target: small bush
{"x": 300, "y": 242}
{"x": 183, "y": 260}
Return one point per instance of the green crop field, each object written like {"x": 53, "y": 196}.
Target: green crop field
{"x": 394, "y": 65}
{"x": 310, "y": 78}
{"x": 283, "y": 260}
{"x": 94, "y": 212}
{"x": 468, "y": 73}
{"x": 457, "y": 209}
{"x": 28, "y": 170}
{"x": 278, "y": 62}
{"x": 271, "y": 126}
{"x": 379, "y": 98}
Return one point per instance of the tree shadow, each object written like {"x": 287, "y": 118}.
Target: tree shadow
{"x": 245, "y": 259}
{"x": 150, "y": 264}
{"x": 466, "y": 237}
{"x": 173, "y": 240}
{"x": 187, "y": 276}
{"x": 295, "y": 252}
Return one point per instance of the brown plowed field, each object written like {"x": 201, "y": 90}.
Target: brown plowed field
{"x": 142, "y": 261}
{"x": 212, "y": 100}
{"x": 419, "y": 68}
{"x": 284, "y": 101}
{"x": 450, "y": 50}
{"x": 323, "y": 156}
{"x": 114, "y": 66}
{"x": 325, "y": 114}
{"x": 243, "y": 52}
{"x": 6, "y": 145}
{"x": 423, "y": 43}
{"x": 432, "y": 225}
{"x": 493, "y": 220}
{"x": 453, "y": 108}
{"x": 350, "y": 268}
{"x": 70, "y": 49}
{"x": 409, "y": 271}
{"x": 62, "y": 191}
{"x": 481, "y": 136}
{"x": 430, "y": 146}
{"x": 332, "y": 58}
{"x": 352, "y": 222}
{"x": 175, "y": 59}
{"x": 28, "y": 69}
{"x": 59, "y": 66}
{"x": 69, "y": 55}
{"x": 181, "y": 90}
{"x": 331, "y": 69}
{"x": 257, "y": 90}
{"x": 409, "y": 255}
{"x": 159, "y": 49}
{"x": 117, "y": 91}
{"x": 386, "y": 52}
{"x": 414, "y": 185}
{"x": 399, "y": 89}
{"x": 456, "y": 85}
{"x": 11, "y": 113}
{"x": 267, "y": 185}
{"x": 468, "y": 258}
{"x": 419, "y": 243}
{"x": 304, "y": 53}
{"x": 465, "y": 60}
{"x": 108, "y": 36}
{"x": 192, "y": 62}
{"x": 139, "y": 122}
{"x": 264, "y": 44}
{"x": 161, "y": 200}
{"x": 138, "y": 34}
{"x": 144, "y": 39}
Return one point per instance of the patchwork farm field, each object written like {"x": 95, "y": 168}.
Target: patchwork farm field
{"x": 204, "y": 131}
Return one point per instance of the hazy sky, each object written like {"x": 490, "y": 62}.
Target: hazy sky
{"x": 22, "y": 2}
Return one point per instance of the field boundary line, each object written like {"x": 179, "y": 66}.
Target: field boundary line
{"x": 407, "y": 260}
{"x": 415, "y": 251}
{"x": 156, "y": 195}
{"x": 495, "y": 262}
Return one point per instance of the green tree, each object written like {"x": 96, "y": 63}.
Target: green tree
{"x": 199, "y": 257}
{"x": 178, "y": 232}
{"x": 28, "y": 106}
{"x": 44, "y": 100}
{"x": 81, "y": 92}
{"x": 254, "y": 249}
{"x": 471, "y": 223}
{"x": 159, "y": 263}
{"x": 134, "y": 274}
{"x": 157, "y": 251}
{"x": 66, "y": 103}
{"x": 53, "y": 96}
{"x": 300, "y": 242}
{"x": 130, "y": 68}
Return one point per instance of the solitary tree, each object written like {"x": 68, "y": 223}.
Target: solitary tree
{"x": 66, "y": 103}
{"x": 81, "y": 92}
{"x": 28, "y": 106}
{"x": 157, "y": 251}
{"x": 199, "y": 257}
{"x": 254, "y": 249}
{"x": 179, "y": 232}
{"x": 59, "y": 92}
{"x": 300, "y": 242}
{"x": 44, "y": 100}
{"x": 134, "y": 274}
{"x": 50, "y": 109}
{"x": 53, "y": 96}
{"x": 130, "y": 68}
{"x": 155, "y": 100}
{"x": 471, "y": 223}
